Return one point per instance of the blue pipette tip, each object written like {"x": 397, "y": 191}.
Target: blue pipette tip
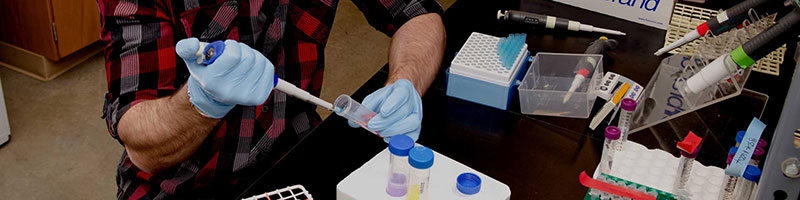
{"x": 337, "y": 109}
{"x": 509, "y": 47}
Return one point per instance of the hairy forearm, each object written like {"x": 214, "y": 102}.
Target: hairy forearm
{"x": 416, "y": 51}
{"x": 161, "y": 133}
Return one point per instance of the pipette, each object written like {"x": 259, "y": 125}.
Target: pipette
{"x": 746, "y": 54}
{"x": 585, "y": 66}
{"x": 209, "y": 52}
{"x": 725, "y": 21}
{"x": 610, "y": 105}
{"x": 551, "y": 22}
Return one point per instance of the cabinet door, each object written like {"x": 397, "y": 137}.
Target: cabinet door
{"x": 26, "y": 24}
{"x": 77, "y": 24}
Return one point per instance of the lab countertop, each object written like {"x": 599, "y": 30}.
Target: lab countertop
{"x": 538, "y": 157}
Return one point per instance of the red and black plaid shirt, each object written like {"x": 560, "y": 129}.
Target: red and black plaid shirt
{"x": 141, "y": 64}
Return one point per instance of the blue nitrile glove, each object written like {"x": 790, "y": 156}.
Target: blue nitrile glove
{"x": 399, "y": 109}
{"x": 241, "y": 75}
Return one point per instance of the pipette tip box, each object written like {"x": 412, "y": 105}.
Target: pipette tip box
{"x": 545, "y": 88}
{"x": 477, "y": 74}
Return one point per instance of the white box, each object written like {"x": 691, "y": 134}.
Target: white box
{"x": 655, "y": 13}
{"x": 369, "y": 181}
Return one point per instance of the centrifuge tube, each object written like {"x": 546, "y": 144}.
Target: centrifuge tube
{"x": 609, "y": 147}
{"x": 625, "y": 118}
{"x": 350, "y": 109}
{"x": 746, "y": 183}
{"x": 421, "y": 160}
{"x": 729, "y": 183}
{"x": 685, "y": 170}
{"x": 399, "y": 146}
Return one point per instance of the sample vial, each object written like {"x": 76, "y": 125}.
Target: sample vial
{"x": 350, "y": 109}
{"x": 399, "y": 146}
{"x": 625, "y": 118}
{"x": 685, "y": 170}
{"x": 421, "y": 160}
{"x": 729, "y": 183}
{"x": 609, "y": 147}
{"x": 746, "y": 183}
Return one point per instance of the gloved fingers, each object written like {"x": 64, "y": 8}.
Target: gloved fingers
{"x": 393, "y": 102}
{"x": 404, "y": 126}
{"x": 229, "y": 58}
{"x": 187, "y": 49}
{"x": 352, "y": 124}
{"x": 261, "y": 79}
{"x": 374, "y": 100}
{"x": 401, "y": 110}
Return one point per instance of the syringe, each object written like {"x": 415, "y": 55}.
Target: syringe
{"x": 208, "y": 53}
{"x": 551, "y": 22}
{"x": 724, "y": 21}
{"x": 746, "y": 54}
{"x": 586, "y": 66}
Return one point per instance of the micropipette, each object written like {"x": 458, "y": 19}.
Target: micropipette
{"x": 209, "y": 52}
{"x": 551, "y": 22}
{"x": 746, "y": 54}
{"x": 610, "y": 105}
{"x": 585, "y": 66}
{"x": 725, "y": 20}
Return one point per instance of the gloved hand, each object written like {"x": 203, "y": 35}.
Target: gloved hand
{"x": 241, "y": 75}
{"x": 399, "y": 110}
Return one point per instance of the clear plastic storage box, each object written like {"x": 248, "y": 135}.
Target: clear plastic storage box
{"x": 547, "y": 82}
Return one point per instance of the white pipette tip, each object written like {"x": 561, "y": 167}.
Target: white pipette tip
{"x": 692, "y": 35}
{"x": 576, "y": 82}
{"x": 608, "y": 31}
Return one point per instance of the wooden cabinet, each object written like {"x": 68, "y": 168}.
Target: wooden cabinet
{"x": 44, "y": 38}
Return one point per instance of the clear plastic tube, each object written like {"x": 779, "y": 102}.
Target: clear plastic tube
{"x": 399, "y": 146}
{"x": 609, "y": 147}
{"x": 728, "y": 184}
{"x": 421, "y": 160}
{"x": 350, "y": 109}
{"x": 684, "y": 171}
{"x": 625, "y": 118}
{"x": 744, "y": 188}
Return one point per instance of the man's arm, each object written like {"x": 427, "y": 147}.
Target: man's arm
{"x": 416, "y": 51}
{"x": 163, "y": 132}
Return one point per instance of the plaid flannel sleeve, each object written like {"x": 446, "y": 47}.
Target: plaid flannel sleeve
{"x": 140, "y": 57}
{"x": 388, "y": 15}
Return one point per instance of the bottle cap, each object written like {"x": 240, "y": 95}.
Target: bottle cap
{"x": 752, "y": 173}
{"x": 730, "y": 158}
{"x": 468, "y": 183}
{"x": 758, "y": 154}
{"x": 628, "y": 104}
{"x": 733, "y": 150}
{"x": 612, "y": 133}
{"x": 740, "y": 136}
{"x": 690, "y": 144}
{"x": 690, "y": 155}
{"x": 400, "y": 145}
{"x": 761, "y": 143}
{"x": 420, "y": 157}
